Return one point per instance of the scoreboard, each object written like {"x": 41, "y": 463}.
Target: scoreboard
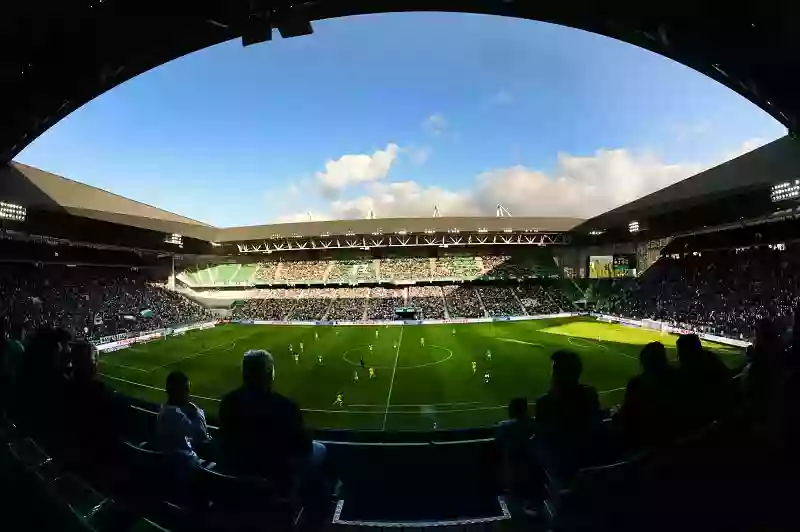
{"x": 609, "y": 266}
{"x": 625, "y": 265}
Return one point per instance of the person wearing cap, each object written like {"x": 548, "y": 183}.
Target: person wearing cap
{"x": 261, "y": 432}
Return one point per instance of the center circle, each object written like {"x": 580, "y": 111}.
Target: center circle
{"x": 437, "y": 348}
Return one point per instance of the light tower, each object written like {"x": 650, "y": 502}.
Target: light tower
{"x": 502, "y": 211}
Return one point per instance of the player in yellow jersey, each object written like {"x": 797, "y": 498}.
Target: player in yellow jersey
{"x": 474, "y": 367}
{"x": 339, "y": 399}
{"x": 297, "y": 358}
{"x": 371, "y": 373}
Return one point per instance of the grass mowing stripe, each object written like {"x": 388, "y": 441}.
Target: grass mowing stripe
{"x": 391, "y": 383}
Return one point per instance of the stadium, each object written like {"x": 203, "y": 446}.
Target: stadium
{"x": 402, "y": 341}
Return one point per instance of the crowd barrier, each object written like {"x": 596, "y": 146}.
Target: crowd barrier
{"x": 672, "y": 329}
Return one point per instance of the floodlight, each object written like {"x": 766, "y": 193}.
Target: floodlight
{"x": 633, "y": 227}
{"x": 785, "y": 191}
{"x": 11, "y": 211}
{"x": 175, "y": 239}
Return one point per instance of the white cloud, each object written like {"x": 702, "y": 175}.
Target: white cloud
{"x": 418, "y": 156}
{"x": 351, "y": 169}
{"x": 434, "y": 124}
{"x": 501, "y": 97}
{"x": 579, "y": 186}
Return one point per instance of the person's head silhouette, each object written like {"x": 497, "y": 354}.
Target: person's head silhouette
{"x": 258, "y": 368}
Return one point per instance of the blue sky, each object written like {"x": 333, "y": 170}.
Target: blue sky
{"x": 395, "y": 113}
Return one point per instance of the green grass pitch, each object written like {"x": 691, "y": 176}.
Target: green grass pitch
{"x": 415, "y": 386}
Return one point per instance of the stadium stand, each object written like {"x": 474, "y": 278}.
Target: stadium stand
{"x": 428, "y": 300}
{"x": 91, "y": 301}
{"x": 456, "y": 267}
{"x": 272, "y": 304}
{"x": 462, "y": 302}
{"x": 313, "y": 304}
{"x": 722, "y": 292}
{"x": 305, "y": 271}
{"x": 405, "y": 269}
{"x": 535, "y": 300}
{"x": 383, "y": 302}
{"x": 220, "y": 275}
{"x": 350, "y": 304}
{"x": 265, "y": 271}
{"x": 499, "y": 301}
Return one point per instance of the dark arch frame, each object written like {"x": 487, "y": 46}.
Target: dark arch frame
{"x": 55, "y": 57}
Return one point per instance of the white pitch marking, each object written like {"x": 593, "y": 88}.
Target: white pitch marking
{"x": 512, "y": 340}
{"x": 133, "y": 368}
{"x": 204, "y": 352}
{"x": 391, "y": 383}
{"x": 133, "y": 383}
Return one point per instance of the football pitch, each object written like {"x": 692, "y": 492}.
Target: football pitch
{"x": 416, "y": 386}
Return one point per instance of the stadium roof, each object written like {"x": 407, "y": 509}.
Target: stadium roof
{"x": 37, "y": 190}
{"x": 739, "y": 187}
{"x": 56, "y": 56}
{"x": 398, "y": 225}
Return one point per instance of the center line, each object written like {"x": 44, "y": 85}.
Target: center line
{"x": 391, "y": 383}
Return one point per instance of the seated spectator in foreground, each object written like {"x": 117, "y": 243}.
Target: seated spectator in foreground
{"x": 181, "y": 425}
{"x": 762, "y": 375}
{"x": 568, "y": 418}
{"x": 96, "y": 414}
{"x": 261, "y": 432}
{"x": 41, "y": 381}
{"x": 706, "y": 384}
{"x": 513, "y": 437}
{"x": 11, "y": 355}
{"x": 648, "y": 415}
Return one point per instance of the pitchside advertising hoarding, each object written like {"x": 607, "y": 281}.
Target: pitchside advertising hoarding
{"x": 117, "y": 342}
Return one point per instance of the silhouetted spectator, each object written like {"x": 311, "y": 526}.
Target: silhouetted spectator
{"x": 513, "y": 437}
{"x": 181, "y": 425}
{"x": 261, "y": 432}
{"x": 648, "y": 415}
{"x": 568, "y": 417}
{"x": 707, "y": 390}
{"x": 97, "y": 414}
{"x": 11, "y": 353}
{"x": 41, "y": 382}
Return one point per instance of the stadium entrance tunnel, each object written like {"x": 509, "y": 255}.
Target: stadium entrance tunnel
{"x": 438, "y": 355}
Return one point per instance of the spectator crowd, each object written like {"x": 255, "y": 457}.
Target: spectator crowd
{"x": 462, "y": 267}
{"x": 500, "y": 301}
{"x": 719, "y": 292}
{"x": 91, "y": 302}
